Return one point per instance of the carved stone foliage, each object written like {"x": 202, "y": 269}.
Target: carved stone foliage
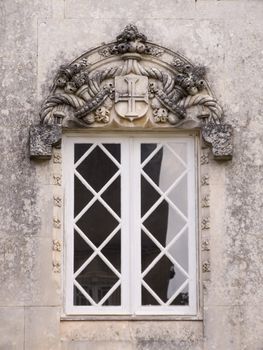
{"x": 131, "y": 84}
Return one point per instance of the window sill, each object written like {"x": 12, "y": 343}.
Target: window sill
{"x": 130, "y": 318}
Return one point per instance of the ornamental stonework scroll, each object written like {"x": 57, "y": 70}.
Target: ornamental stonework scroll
{"x": 131, "y": 84}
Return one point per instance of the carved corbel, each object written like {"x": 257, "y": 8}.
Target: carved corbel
{"x": 42, "y": 138}
{"x": 219, "y": 137}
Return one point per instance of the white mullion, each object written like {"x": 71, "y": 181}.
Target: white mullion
{"x": 135, "y": 227}
{"x": 177, "y": 292}
{"x": 68, "y": 187}
{"x": 112, "y": 290}
{"x": 125, "y": 227}
{"x": 92, "y": 147}
{"x": 192, "y": 258}
{"x": 157, "y": 149}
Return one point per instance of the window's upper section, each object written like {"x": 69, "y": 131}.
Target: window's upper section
{"x": 131, "y": 84}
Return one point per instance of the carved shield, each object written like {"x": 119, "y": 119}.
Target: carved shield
{"x": 131, "y": 96}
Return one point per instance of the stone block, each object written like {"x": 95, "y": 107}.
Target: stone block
{"x": 42, "y": 328}
{"x": 222, "y": 328}
{"x": 122, "y": 9}
{"x": 12, "y": 328}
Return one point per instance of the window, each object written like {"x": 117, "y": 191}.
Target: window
{"x": 130, "y": 225}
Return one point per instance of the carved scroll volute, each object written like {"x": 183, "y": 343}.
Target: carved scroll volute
{"x": 131, "y": 84}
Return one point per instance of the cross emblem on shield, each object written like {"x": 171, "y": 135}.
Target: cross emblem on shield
{"x": 131, "y": 96}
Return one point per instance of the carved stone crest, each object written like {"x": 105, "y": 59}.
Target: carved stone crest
{"x": 131, "y": 83}
{"x": 131, "y": 96}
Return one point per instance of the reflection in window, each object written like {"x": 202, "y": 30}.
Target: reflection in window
{"x": 164, "y": 240}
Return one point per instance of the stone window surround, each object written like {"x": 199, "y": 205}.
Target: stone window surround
{"x": 45, "y": 144}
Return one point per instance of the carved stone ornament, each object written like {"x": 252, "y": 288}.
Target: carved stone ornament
{"x": 131, "y": 84}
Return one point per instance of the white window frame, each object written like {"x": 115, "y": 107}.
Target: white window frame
{"x": 130, "y": 178}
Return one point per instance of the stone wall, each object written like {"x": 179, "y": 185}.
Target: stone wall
{"x": 37, "y": 37}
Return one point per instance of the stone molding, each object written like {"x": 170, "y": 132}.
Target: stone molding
{"x": 131, "y": 84}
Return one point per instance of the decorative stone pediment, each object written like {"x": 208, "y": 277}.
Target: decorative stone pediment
{"x": 131, "y": 84}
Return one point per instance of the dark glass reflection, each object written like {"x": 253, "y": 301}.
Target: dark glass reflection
{"x": 158, "y": 277}
{"x": 146, "y": 150}
{"x": 112, "y": 196}
{"x": 82, "y": 196}
{"x": 97, "y": 223}
{"x": 79, "y": 298}
{"x": 149, "y": 251}
{"x": 114, "y": 150}
{"x": 97, "y": 169}
{"x": 97, "y": 279}
{"x": 82, "y": 251}
{"x": 80, "y": 149}
{"x": 112, "y": 251}
{"x": 164, "y": 223}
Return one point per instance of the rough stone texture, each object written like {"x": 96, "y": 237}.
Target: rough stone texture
{"x": 42, "y": 138}
{"x": 39, "y": 36}
{"x": 141, "y": 335}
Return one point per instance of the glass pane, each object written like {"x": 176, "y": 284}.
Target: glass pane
{"x": 147, "y": 298}
{"x": 146, "y": 150}
{"x": 97, "y": 169}
{"x": 82, "y": 196}
{"x": 112, "y": 196}
{"x": 164, "y": 223}
{"x": 97, "y": 279}
{"x": 178, "y": 195}
{"x": 180, "y": 149}
{"x": 112, "y": 251}
{"x": 177, "y": 278}
{"x": 114, "y": 298}
{"x": 82, "y": 251}
{"x": 164, "y": 168}
{"x": 149, "y": 251}
{"x": 153, "y": 167}
{"x": 114, "y": 150}
{"x": 97, "y": 223}
{"x": 148, "y": 196}
{"x": 158, "y": 277}
{"x": 80, "y": 149}
{"x": 179, "y": 250}
{"x": 157, "y": 222}
{"x": 79, "y": 298}
{"x": 182, "y": 298}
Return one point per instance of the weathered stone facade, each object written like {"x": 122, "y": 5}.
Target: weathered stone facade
{"x": 37, "y": 38}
